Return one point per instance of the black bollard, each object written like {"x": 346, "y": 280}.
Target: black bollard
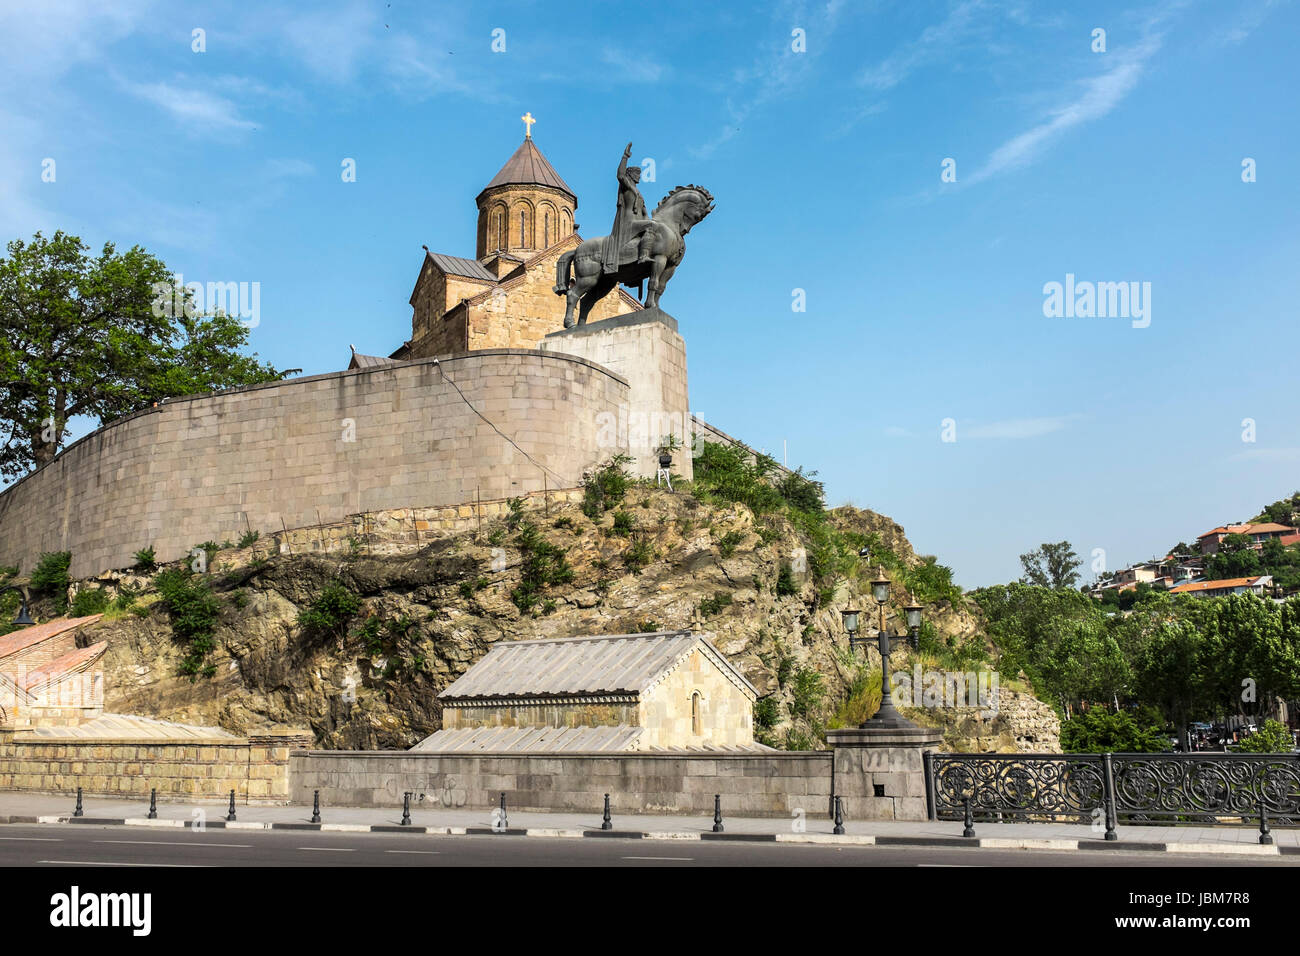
{"x": 607, "y": 823}
{"x": 153, "y": 803}
{"x": 717, "y": 813}
{"x": 839, "y": 816}
{"x": 315, "y": 807}
{"x": 970, "y": 819}
{"x": 230, "y": 817}
{"x": 1265, "y": 837}
{"x": 505, "y": 821}
{"x": 406, "y": 809}
{"x": 78, "y": 812}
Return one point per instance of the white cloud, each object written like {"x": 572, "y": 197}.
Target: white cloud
{"x": 286, "y": 168}
{"x": 197, "y": 109}
{"x": 1099, "y": 95}
{"x": 630, "y": 67}
{"x": 933, "y": 44}
{"x": 1017, "y": 428}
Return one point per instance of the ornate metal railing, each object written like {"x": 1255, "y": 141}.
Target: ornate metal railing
{"x": 1200, "y": 788}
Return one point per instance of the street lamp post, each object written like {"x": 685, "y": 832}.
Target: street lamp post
{"x": 24, "y": 619}
{"x": 887, "y": 715}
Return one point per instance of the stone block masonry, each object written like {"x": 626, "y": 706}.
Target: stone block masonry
{"x": 778, "y": 784}
{"x": 255, "y": 767}
{"x": 311, "y": 451}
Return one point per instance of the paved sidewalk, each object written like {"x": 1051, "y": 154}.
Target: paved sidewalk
{"x": 18, "y": 807}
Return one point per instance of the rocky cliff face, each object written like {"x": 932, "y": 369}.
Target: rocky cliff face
{"x": 426, "y": 614}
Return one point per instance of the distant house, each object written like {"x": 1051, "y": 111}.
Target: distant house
{"x": 666, "y": 690}
{"x": 1256, "y": 585}
{"x": 1258, "y": 533}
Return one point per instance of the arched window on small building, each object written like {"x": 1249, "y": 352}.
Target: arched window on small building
{"x": 696, "y": 701}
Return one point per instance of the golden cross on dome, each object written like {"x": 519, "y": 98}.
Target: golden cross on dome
{"x": 528, "y": 124}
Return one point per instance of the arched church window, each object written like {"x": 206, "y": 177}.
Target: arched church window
{"x": 546, "y": 231}
{"x": 695, "y": 712}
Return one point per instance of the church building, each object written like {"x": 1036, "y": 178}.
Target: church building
{"x": 503, "y": 297}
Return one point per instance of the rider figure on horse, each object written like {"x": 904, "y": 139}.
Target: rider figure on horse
{"x": 629, "y": 218}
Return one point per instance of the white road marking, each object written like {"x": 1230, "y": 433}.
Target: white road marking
{"x": 684, "y": 859}
{"x": 102, "y": 863}
{"x": 330, "y": 849}
{"x": 185, "y": 843}
{"x": 34, "y": 839}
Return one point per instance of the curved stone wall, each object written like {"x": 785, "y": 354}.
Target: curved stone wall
{"x": 309, "y": 450}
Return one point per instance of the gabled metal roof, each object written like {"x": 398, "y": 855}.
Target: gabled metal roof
{"x": 467, "y": 268}
{"x": 531, "y": 740}
{"x": 615, "y": 664}
{"x": 529, "y": 167}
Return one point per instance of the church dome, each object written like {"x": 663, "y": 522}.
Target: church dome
{"x": 528, "y": 167}
{"x": 526, "y": 208}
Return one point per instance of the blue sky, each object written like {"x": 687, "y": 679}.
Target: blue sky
{"x": 924, "y": 297}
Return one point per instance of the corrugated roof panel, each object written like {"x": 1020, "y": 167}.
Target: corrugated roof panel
{"x": 614, "y": 664}
{"x": 531, "y": 740}
{"x": 527, "y": 166}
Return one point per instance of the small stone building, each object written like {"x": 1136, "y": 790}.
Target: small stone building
{"x": 667, "y": 690}
{"x": 46, "y": 680}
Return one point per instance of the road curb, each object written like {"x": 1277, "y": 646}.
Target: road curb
{"x": 821, "y": 839}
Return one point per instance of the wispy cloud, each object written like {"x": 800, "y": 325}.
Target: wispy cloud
{"x": 630, "y": 67}
{"x": 775, "y": 74}
{"x": 931, "y": 46}
{"x": 198, "y": 110}
{"x": 1096, "y": 98}
{"x": 288, "y": 168}
{"x": 1017, "y": 428}
{"x": 1267, "y": 454}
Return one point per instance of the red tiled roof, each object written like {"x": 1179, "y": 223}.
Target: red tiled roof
{"x": 1287, "y": 539}
{"x": 1267, "y": 526}
{"x": 30, "y": 636}
{"x": 1213, "y": 585}
{"x": 66, "y": 664}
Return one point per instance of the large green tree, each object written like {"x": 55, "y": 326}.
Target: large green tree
{"x": 90, "y": 335}
{"x": 1051, "y": 566}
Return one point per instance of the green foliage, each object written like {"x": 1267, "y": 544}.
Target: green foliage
{"x": 146, "y": 560}
{"x": 807, "y": 693}
{"x": 801, "y": 493}
{"x": 249, "y": 538}
{"x": 89, "y": 601}
{"x": 544, "y": 564}
{"x": 931, "y": 581}
{"x": 330, "y": 611}
{"x": 638, "y": 554}
{"x": 1053, "y": 566}
{"x": 606, "y": 487}
{"x": 712, "y": 605}
{"x": 193, "y": 611}
{"x": 1283, "y": 511}
{"x": 624, "y": 523}
{"x": 564, "y": 522}
{"x": 81, "y": 335}
{"x": 862, "y": 700}
{"x": 515, "y": 513}
{"x": 370, "y": 634}
{"x": 497, "y": 537}
{"x": 767, "y": 713}
{"x": 727, "y": 473}
{"x": 1097, "y": 730}
{"x": 728, "y": 542}
{"x": 51, "y": 577}
{"x": 209, "y": 549}
{"x": 1272, "y": 738}
{"x": 786, "y": 586}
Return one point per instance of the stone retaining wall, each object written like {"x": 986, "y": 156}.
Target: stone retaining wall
{"x": 774, "y": 785}
{"x": 256, "y": 767}
{"x": 311, "y": 451}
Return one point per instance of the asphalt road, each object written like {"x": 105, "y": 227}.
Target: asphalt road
{"x": 84, "y": 845}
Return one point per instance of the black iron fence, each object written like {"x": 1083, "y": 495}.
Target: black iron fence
{"x": 1105, "y": 789}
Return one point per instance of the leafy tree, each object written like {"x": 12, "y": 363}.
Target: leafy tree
{"x": 1272, "y": 738}
{"x": 1053, "y": 566}
{"x": 1096, "y": 730}
{"x": 90, "y": 336}
{"x": 1235, "y": 558}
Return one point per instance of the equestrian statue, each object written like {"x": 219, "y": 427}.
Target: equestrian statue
{"x": 638, "y": 247}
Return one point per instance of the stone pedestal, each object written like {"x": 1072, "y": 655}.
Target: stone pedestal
{"x": 645, "y": 349}
{"x": 885, "y": 757}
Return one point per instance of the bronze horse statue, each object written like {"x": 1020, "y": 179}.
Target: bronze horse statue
{"x": 672, "y": 219}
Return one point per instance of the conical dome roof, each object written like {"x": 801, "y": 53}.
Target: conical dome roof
{"x": 529, "y": 167}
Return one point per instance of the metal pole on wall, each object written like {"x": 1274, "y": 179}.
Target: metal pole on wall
{"x": 927, "y": 760}
{"x": 1108, "y": 795}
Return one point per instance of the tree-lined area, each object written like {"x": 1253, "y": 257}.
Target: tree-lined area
{"x": 84, "y": 335}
